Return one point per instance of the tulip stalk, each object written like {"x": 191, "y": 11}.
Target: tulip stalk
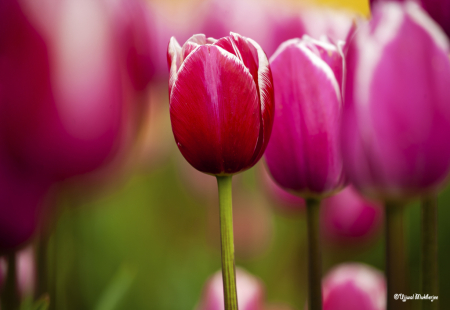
{"x": 10, "y": 298}
{"x": 430, "y": 277}
{"x": 314, "y": 254}
{"x": 227, "y": 243}
{"x": 395, "y": 254}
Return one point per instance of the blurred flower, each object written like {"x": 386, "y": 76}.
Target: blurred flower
{"x": 347, "y": 218}
{"x": 250, "y": 292}
{"x": 439, "y": 10}
{"x": 60, "y": 85}
{"x": 221, "y": 102}
{"x": 303, "y": 155}
{"x": 354, "y": 286}
{"x": 396, "y": 117}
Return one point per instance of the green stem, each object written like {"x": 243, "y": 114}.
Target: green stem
{"x": 395, "y": 254}
{"x": 314, "y": 255}
{"x": 430, "y": 276}
{"x": 10, "y": 294}
{"x": 41, "y": 265}
{"x": 227, "y": 242}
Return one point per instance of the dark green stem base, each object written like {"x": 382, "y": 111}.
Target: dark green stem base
{"x": 395, "y": 254}
{"x": 430, "y": 276}
{"x": 314, "y": 255}
{"x": 10, "y": 295}
{"x": 227, "y": 242}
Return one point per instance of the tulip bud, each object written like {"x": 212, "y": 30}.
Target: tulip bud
{"x": 221, "y": 102}
{"x": 354, "y": 286}
{"x": 303, "y": 155}
{"x": 439, "y": 10}
{"x": 250, "y": 292}
{"x": 348, "y": 219}
{"x": 396, "y": 117}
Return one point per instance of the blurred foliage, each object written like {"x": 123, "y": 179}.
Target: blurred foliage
{"x": 147, "y": 246}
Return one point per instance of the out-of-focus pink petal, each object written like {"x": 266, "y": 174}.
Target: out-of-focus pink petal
{"x": 354, "y": 286}
{"x": 250, "y": 292}
{"x": 215, "y": 111}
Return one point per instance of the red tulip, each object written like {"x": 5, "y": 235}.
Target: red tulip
{"x": 221, "y": 102}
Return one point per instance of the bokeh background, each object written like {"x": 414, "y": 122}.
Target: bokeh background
{"x": 147, "y": 236}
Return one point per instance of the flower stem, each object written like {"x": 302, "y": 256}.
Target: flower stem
{"x": 227, "y": 242}
{"x": 395, "y": 254}
{"x": 10, "y": 294}
{"x": 314, "y": 255}
{"x": 430, "y": 277}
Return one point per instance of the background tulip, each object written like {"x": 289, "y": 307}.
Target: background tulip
{"x": 303, "y": 154}
{"x": 354, "y": 286}
{"x": 250, "y": 292}
{"x": 439, "y": 10}
{"x": 68, "y": 119}
{"x": 347, "y": 218}
{"x": 221, "y": 102}
{"x": 397, "y": 117}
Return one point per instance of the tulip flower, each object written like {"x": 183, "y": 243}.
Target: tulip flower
{"x": 439, "y": 10}
{"x": 250, "y": 291}
{"x": 354, "y": 286}
{"x": 60, "y": 85}
{"x": 347, "y": 218}
{"x": 396, "y": 119}
{"x": 303, "y": 155}
{"x": 221, "y": 109}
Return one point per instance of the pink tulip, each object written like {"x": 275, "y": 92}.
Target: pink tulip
{"x": 347, "y": 218}
{"x": 439, "y": 10}
{"x": 396, "y": 117}
{"x": 303, "y": 154}
{"x": 221, "y": 102}
{"x": 250, "y": 292}
{"x": 26, "y": 271}
{"x": 354, "y": 286}
{"x": 60, "y": 86}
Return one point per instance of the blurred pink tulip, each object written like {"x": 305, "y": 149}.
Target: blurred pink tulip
{"x": 303, "y": 154}
{"x": 63, "y": 55}
{"x": 347, "y": 218}
{"x": 250, "y": 292}
{"x": 26, "y": 271}
{"x": 439, "y": 10}
{"x": 354, "y": 286}
{"x": 396, "y": 117}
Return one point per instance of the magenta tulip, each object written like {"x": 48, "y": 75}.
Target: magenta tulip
{"x": 60, "y": 85}
{"x": 354, "y": 287}
{"x": 221, "y": 102}
{"x": 396, "y": 117}
{"x": 250, "y": 291}
{"x": 303, "y": 154}
{"x": 439, "y": 10}
{"x": 349, "y": 219}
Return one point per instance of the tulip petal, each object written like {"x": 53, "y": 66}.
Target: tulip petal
{"x": 215, "y": 111}
{"x": 192, "y": 43}
{"x": 174, "y": 60}
{"x": 302, "y": 154}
